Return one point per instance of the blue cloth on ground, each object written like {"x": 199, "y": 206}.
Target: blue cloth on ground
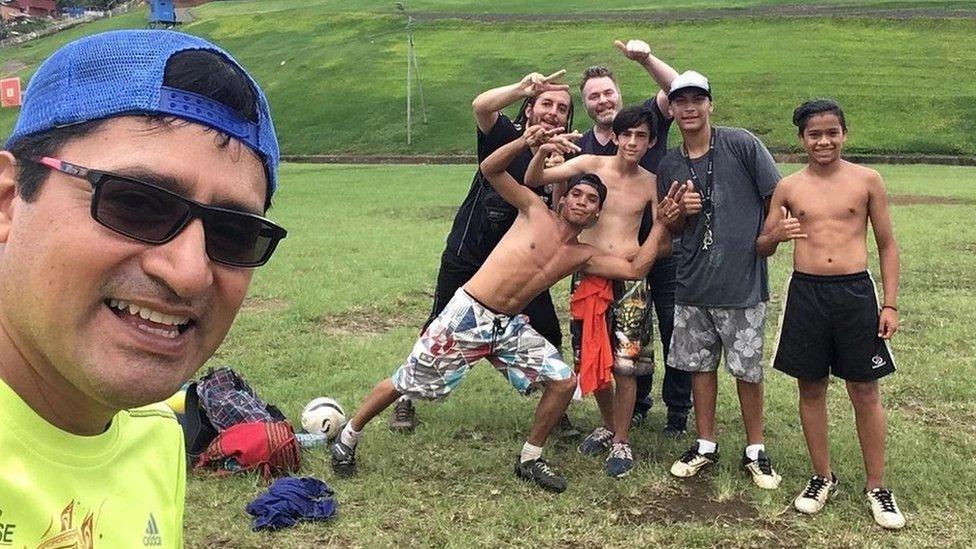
{"x": 291, "y": 499}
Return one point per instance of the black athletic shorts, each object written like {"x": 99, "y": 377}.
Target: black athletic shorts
{"x": 830, "y": 325}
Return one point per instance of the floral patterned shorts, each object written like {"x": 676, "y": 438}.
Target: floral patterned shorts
{"x": 701, "y": 333}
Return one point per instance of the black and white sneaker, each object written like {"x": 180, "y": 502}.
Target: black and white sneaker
{"x": 596, "y": 442}
{"x": 813, "y": 498}
{"x": 343, "y": 459}
{"x": 539, "y": 472}
{"x": 692, "y": 462}
{"x": 885, "y": 509}
{"x": 762, "y": 471}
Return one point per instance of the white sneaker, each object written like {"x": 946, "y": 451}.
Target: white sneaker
{"x": 762, "y": 471}
{"x": 692, "y": 461}
{"x": 813, "y": 498}
{"x": 885, "y": 509}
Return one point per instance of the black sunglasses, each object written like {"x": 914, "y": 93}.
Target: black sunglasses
{"x": 155, "y": 215}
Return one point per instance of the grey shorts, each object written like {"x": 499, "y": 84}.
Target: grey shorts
{"x": 702, "y": 333}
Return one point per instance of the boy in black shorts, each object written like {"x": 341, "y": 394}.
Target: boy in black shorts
{"x": 832, "y": 322}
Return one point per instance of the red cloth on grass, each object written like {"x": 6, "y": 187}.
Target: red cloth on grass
{"x": 269, "y": 447}
{"x": 589, "y": 304}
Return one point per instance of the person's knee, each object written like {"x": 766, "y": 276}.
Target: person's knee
{"x": 562, "y": 386}
{"x": 864, "y": 393}
{"x": 813, "y": 390}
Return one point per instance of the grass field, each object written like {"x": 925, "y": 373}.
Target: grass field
{"x": 336, "y": 80}
{"x": 340, "y": 306}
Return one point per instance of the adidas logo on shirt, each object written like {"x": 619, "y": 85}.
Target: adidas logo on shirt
{"x": 152, "y": 537}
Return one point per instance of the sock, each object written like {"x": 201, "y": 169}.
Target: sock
{"x": 752, "y": 451}
{"x": 349, "y": 436}
{"x": 530, "y": 452}
{"x": 706, "y": 446}
{"x": 404, "y": 398}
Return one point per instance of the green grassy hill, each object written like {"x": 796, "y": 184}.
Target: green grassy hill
{"x": 336, "y": 76}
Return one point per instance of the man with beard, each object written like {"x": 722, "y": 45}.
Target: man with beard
{"x": 485, "y": 216}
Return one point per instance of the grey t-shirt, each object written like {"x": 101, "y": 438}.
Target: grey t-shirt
{"x": 729, "y": 274}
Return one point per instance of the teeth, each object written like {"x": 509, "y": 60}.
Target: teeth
{"x": 169, "y": 334}
{"x": 150, "y": 315}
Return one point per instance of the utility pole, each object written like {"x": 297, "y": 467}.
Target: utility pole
{"x": 413, "y": 67}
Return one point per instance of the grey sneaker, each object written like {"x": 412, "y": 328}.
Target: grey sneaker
{"x": 539, "y": 472}
{"x": 620, "y": 461}
{"x": 596, "y": 442}
{"x": 404, "y": 417}
{"x": 343, "y": 459}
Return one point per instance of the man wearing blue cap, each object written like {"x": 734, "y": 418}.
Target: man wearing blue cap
{"x": 131, "y": 199}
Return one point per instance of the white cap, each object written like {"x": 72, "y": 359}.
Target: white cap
{"x": 689, "y": 80}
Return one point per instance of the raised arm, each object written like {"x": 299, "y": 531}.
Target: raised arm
{"x": 537, "y": 175}
{"x": 888, "y": 254}
{"x": 780, "y": 225}
{"x": 662, "y": 73}
{"x": 487, "y": 105}
{"x": 493, "y": 168}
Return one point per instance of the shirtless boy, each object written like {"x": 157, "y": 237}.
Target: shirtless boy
{"x": 482, "y": 320}
{"x": 630, "y": 189}
{"x": 832, "y": 323}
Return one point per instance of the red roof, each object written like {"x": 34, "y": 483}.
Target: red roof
{"x": 44, "y": 5}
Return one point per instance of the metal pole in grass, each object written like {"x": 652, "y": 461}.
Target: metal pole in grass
{"x": 412, "y": 67}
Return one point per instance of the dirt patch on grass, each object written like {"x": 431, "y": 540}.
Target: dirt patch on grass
{"x": 371, "y": 320}
{"x": 690, "y": 500}
{"x": 427, "y": 213}
{"x": 928, "y": 200}
{"x": 941, "y": 416}
{"x": 11, "y": 66}
{"x": 263, "y": 305}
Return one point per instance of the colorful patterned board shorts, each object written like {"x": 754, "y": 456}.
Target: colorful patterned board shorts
{"x": 702, "y": 333}
{"x": 630, "y": 325}
{"x": 465, "y": 332}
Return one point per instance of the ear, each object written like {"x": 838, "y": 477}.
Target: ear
{"x": 528, "y": 113}
{"x": 613, "y": 137}
{"x": 8, "y": 193}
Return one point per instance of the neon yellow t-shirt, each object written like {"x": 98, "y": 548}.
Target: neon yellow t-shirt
{"x": 123, "y": 488}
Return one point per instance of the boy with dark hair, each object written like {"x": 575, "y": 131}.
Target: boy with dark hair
{"x": 482, "y": 320}
{"x": 831, "y": 321}
{"x": 131, "y": 194}
{"x": 602, "y": 99}
{"x": 722, "y": 284}
{"x": 598, "y": 325}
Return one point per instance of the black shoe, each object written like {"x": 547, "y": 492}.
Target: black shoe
{"x": 404, "y": 418}
{"x": 676, "y": 426}
{"x": 539, "y": 472}
{"x": 565, "y": 429}
{"x": 343, "y": 459}
{"x": 638, "y": 417}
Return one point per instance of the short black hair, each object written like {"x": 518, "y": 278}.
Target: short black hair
{"x": 200, "y": 71}
{"x": 593, "y": 180}
{"x": 633, "y": 116}
{"x": 811, "y": 108}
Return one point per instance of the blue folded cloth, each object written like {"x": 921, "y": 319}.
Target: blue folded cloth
{"x": 291, "y": 499}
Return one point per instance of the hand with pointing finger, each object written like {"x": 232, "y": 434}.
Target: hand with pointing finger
{"x": 788, "y": 227}
{"x": 635, "y": 50}
{"x": 535, "y": 83}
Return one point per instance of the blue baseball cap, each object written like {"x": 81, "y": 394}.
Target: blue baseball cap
{"x": 121, "y": 72}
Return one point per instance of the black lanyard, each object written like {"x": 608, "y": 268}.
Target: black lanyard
{"x": 708, "y": 206}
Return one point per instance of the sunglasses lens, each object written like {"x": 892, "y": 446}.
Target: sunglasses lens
{"x": 239, "y": 239}
{"x": 138, "y": 210}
